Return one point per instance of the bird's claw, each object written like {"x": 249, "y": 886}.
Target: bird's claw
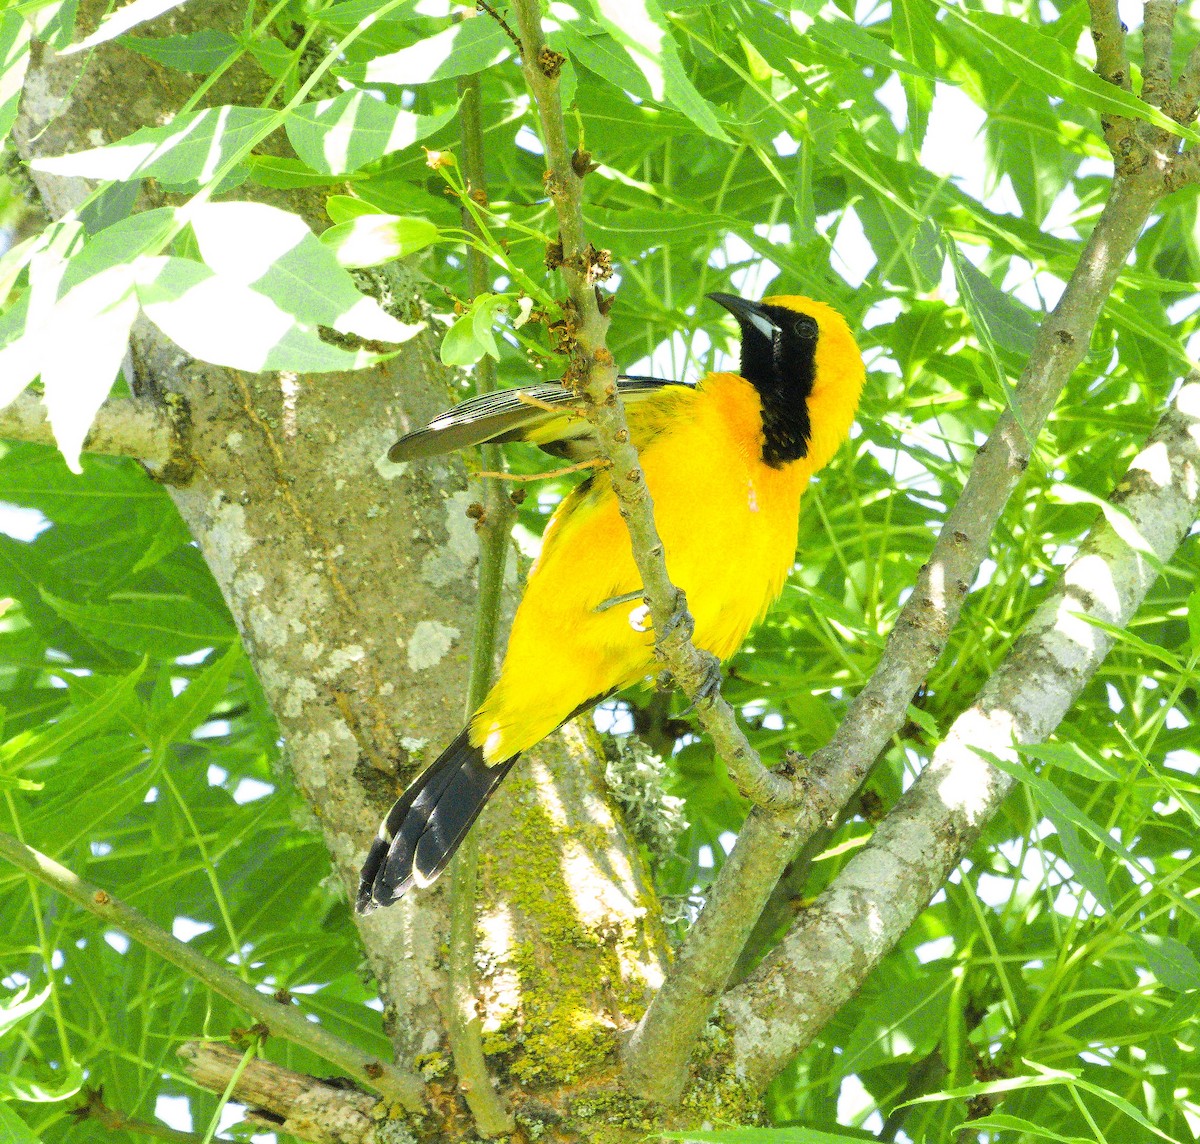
{"x": 710, "y": 685}
{"x": 680, "y": 617}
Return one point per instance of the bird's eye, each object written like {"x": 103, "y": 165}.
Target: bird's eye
{"x": 804, "y": 327}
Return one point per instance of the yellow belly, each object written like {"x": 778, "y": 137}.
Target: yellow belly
{"x": 728, "y": 524}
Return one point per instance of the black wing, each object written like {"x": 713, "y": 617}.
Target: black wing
{"x": 518, "y": 415}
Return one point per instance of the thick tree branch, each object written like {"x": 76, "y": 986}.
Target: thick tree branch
{"x": 857, "y": 920}
{"x": 594, "y": 373}
{"x": 281, "y": 1020}
{"x": 463, "y": 1021}
{"x": 662, "y": 1044}
{"x": 156, "y": 433}
{"x": 281, "y": 1100}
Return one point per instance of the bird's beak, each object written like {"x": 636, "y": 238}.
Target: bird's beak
{"x": 751, "y": 313}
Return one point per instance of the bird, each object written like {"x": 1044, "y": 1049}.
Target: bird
{"x": 725, "y": 461}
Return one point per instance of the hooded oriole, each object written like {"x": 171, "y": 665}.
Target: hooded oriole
{"x": 725, "y": 461}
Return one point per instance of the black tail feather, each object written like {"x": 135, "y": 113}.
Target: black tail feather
{"x": 427, "y": 823}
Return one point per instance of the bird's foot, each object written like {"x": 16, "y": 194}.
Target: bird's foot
{"x": 710, "y": 685}
{"x": 680, "y": 618}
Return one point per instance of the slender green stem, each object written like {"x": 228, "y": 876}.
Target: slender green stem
{"x": 491, "y": 1117}
{"x": 43, "y": 942}
{"x": 215, "y": 1122}
{"x": 210, "y": 869}
{"x": 284, "y": 1021}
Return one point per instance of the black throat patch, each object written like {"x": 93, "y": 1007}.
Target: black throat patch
{"x": 782, "y": 368}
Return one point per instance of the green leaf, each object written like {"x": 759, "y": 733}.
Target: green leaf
{"x": 1002, "y": 1120}
{"x": 603, "y": 56}
{"x": 1072, "y": 757}
{"x": 1171, "y": 961}
{"x": 472, "y": 336}
{"x": 50, "y": 742}
{"x": 20, "y": 1005}
{"x": 184, "y": 712}
{"x": 641, "y": 28}
{"x": 1041, "y": 61}
{"x": 286, "y": 174}
{"x": 982, "y": 306}
{"x": 274, "y": 252}
{"x": 77, "y": 347}
{"x": 344, "y": 208}
{"x": 186, "y": 152}
{"x": 68, "y": 1082}
{"x": 832, "y": 29}
{"x": 460, "y": 346}
{"x": 462, "y": 49}
{"x": 1068, "y": 820}
{"x": 223, "y": 322}
{"x": 790, "y": 1135}
{"x": 373, "y": 238}
{"x": 119, "y": 22}
{"x": 346, "y": 133}
{"x": 197, "y": 53}
{"x": 14, "y": 60}
{"x": 164, "y": 625}
{"x": 1193, "y": 619}
{"x": 13, "y": 1129}
{"x": 83, "y": 346}
{"x": 273, "y": 56}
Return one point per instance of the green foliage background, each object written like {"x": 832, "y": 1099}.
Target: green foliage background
{"x": 743, "y": 143}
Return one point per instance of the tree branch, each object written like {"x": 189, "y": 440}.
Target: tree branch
{"x": 659, "y": 1050}
{"x": 281, "y": 1020}
{"x": 156, "y": 433}
{"x": 463, "y": 1021}
{"x": 1182, "y": 105}
{"x": 1108, "y": 34}
{"x": 857, "y": 920}
{"x": 281, "y": 1100}
{"x": 94, "y": 1108}
{"x": 1158, "y": 33}
{"x": 594, "y": 373}
{"x": 1112, "y": 64}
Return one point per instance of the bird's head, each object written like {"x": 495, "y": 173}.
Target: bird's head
{"x": 802, "y": 358}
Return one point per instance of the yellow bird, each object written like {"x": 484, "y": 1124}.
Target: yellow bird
{"x": 726, "y": 462}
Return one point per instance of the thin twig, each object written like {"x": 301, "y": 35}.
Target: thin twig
{"x": 860, "y": 916}
{"x": 484, "y": 6}
{"x": 661, "y": 1046}
{"x": 594, "y": 463}
{"x": 463, "y": 1022}
{"x": 1158, "y": 33}
{"x": 283, "y": 1021}
{"x": 548, "y": 406}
